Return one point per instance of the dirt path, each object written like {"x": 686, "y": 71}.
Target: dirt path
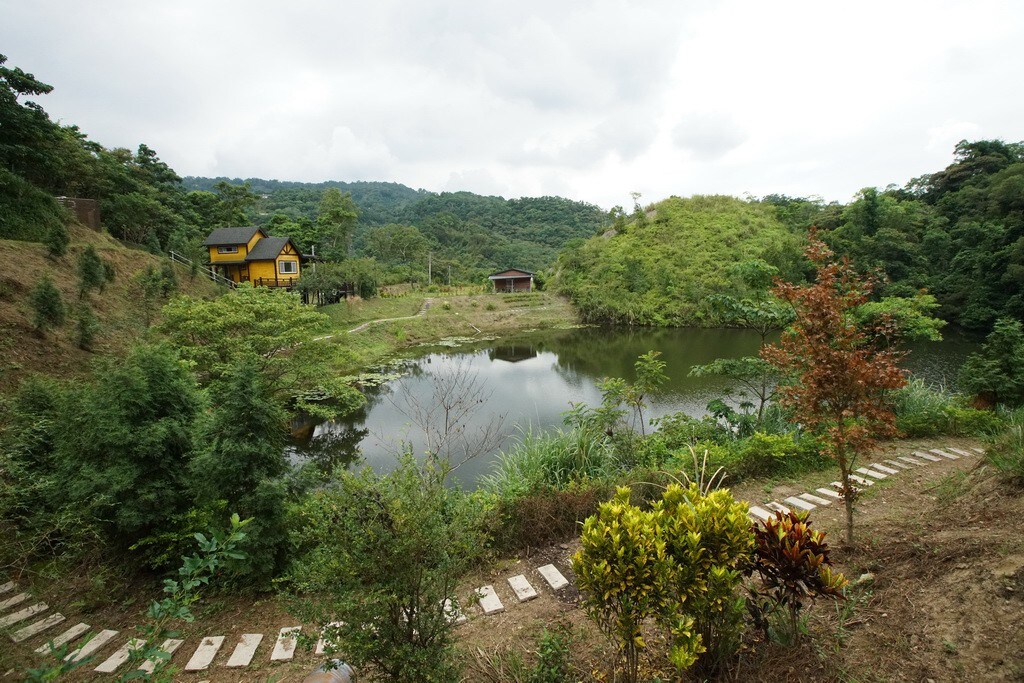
{"x": 423, "y": 310}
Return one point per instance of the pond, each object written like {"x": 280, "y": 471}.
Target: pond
{"x": 495, "y": 390}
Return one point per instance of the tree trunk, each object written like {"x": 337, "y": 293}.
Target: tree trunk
{"x": 848, "y": 493}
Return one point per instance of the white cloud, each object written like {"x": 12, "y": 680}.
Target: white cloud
{"x": 589, "y": 100}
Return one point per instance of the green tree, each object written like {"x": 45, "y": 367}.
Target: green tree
{"x": 267, "y": 329}
{"x": 57, "y": 240}
{"x": 997, "y": 372}
{"x": 48, "y": 310}
{"x": 118, "y": 447}
{"x": 242, "y": 462}
{"x": 425, "y": 533}
{"x": 91, "y": 272}
{"x": 336, "y": 222}
{"x": 839, "y": 373}
{"x": 86, "y": 327}
{"x": 757, "y": 378}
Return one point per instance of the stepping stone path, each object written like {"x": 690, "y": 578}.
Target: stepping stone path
{"x": 245, "y": 649}
{"x": 168, "y": 646}
{"x": 284, "y": 648}
{"x": 490, "y": 603}
{"x": 522, "y": 588}
{"x": 120, "y": 656}
{"x": 101, "y": 639}
{"x": 811, "y": 498}
{"x": 243, "y": 653}
{"x": 204, "y": 654}
{"x": 876, "y": 471}
{"x": 37, "y": 628}
{"x": 64, "y": 638}
{"x": 553, "y": 577}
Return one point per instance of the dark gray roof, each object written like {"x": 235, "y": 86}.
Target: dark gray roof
{"x": 267, "y": 249}
{"x": 228, "y": 236}
{"x": 501, "y": 274}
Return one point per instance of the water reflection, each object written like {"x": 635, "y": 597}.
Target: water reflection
{"x": 531, "y": 380}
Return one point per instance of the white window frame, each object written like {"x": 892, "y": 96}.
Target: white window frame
{"x": 282, "y": 271}
{"x": 228, "y": 250}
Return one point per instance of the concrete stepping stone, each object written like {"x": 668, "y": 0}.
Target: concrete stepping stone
{"x": 977, "y": 450}
{"x": 13, "y": 600}
{"x": 861, "y": 480}
{"x": 204, "y": 654}
{"x": 553, "y": 577}
{"x": 94, "y": 644}
{"x": 896, "y": 463}
{"x": 780, "y": 507}
{"x": 830, "y": 493}
{"x": 6, "y": 587}
{"x": 800, "y": 503}
{"x": 490, "y": 603}
{"x": 284, "y": 648}
{"x": 120, "y": 656}
{"x": 817, "y": 500}
{"x": 66, "y": 637}
{"x": 870, "y": 473}
{"x": 321, "y": 645}
{"x": 879, "y": 467}
{"x": 22, "y": 615}
{"x": 944, "y": 454}
{"x": 926, "y": 456}
{"x": 453, "y": 612}
{"x": 911, "y": 461}
{"x": 168, "y": 646}
{"x": 760, "y": 513}
{"x": 522, "y": 588}
{"x": 245, "y": 649}
{"x": 966, "y": 454}
{"x": 37, "y": 628}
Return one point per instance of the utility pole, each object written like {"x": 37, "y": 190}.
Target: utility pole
{"x": 449, "y": 275}
{"x": 430, "y": 272}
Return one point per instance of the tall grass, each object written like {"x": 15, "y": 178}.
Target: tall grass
{"x": 922, "y": 410}
{"x": 555, "y": 459}
{"x": 1006, "y": 453}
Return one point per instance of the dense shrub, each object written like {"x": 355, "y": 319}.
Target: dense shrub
{"x": 48, "y": 310}
{"x": 114, "y": 452}
{"x": 1006, "y": 452}
{"x": 678, "y": 564}
{"x": 925, "y": 411}
{"x": 382, "y": 554}
{"x": 792, "y": 562}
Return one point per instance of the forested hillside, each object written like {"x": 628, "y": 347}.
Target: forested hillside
{"x": 959, "y": 233}
{"x": 470, "y": 233}
{"x": 141, "y": 199}
{"x": 661, "y": 268}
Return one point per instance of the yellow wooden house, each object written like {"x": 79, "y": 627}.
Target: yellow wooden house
{"x": 249, "y": 255}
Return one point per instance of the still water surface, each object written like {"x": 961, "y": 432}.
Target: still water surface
{"x": 529, "y": 381}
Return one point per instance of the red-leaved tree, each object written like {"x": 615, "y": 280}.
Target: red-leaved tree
{"x": 839, "y": 373}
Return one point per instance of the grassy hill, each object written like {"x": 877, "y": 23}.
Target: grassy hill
{"x": 660, "y": 269}
{"x": 120, "y": 309}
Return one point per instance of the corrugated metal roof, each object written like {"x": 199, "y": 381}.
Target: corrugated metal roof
{"x": 230, "y": 236}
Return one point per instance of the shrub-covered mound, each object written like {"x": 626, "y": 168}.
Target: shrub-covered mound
{"x": 660, "y": 269}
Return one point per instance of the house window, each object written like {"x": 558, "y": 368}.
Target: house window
{"x": 288, "y": 267}
{"x": 227, "y": 250}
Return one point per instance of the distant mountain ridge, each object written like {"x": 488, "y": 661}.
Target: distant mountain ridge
{"x": 467, "y": 228}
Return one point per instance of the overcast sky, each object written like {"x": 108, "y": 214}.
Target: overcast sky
{"x": 588, "y": 100}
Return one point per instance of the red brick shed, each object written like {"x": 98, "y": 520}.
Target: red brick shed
{"x": 512, "y": 280}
